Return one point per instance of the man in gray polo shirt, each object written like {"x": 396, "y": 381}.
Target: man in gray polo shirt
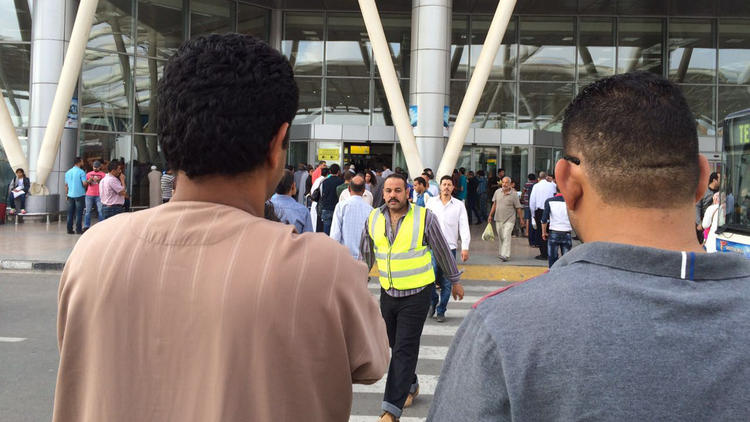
{"x": 637, "y": 323}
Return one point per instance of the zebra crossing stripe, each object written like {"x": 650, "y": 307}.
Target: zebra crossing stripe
{"x": 427, "y": 385}
{"x": 439, "y": 330}
{"x": 366, "y": 418}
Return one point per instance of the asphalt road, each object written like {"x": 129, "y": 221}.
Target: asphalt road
{"x": 28, "y": 345}
{"x": 29, "y": 357}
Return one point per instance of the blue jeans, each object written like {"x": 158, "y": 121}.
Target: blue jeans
{"x": 90, "y": 201}
{"x": 327, "y": 217}
{"x": 75, "y": 212}
{"x": 527, "y": 216}
{"x": 111, "y": 211}
{"x": 440, "y": 302}
{"x": 561, "y": 240}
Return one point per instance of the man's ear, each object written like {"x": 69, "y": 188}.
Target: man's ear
{"x": 277, "y": 151}
{"x": 569, "y": 179}
{"x": 705, "y": 172}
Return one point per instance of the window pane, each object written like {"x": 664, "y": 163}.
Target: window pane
{"x": 112, "y": 29}
{"x": 138, "y": 168}
{"x": 596, "y": 7}
{"x": 253, "y": 20}
{"x": 515, "y": 162}
{"x": 543, "y": 160}
{"x": 547, "y": 51}
{"x": 504, "y": 66}
{"x": 702, "y": 100}
{"x": 642, "y": 7}
{"x": 211, "y": 17}
{"x": 458, "y": 89}
{"x": 497, "y": 106}
{"x": 297, "y": 153}
{"x": 546, "y": 7}
{"x": 731, "y": 99}
{"x": 147, "y": 74}
{"x": 103, "y": 146}
{"x": 347, "y": 101}
{"x": 541, "y": 105}
{"x": 692, "y": 8}
{"x": 15, "y": 21}
{"x": 640, "y": 45}
{"x": 310, "y": 109}
{"x": 459, "y": 47}
{"x": 692, "y": 50}
{"x": 398, "y": 33}
{"x": 348, "y": 47}
{"x": 14, "y": 80}
{"x": 381, "y": 111}
{"x": 734, "y": 51}
{"x": 103, "y": 102}
{"x": 596, "y": 48}
{"x": 160, "y": 28}
{"x": 303, "y": 42}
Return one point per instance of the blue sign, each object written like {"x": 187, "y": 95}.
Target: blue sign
{"x": 446, "y": 115}
{"x": 723, "y": 245}
{"x": 413, "y": 115}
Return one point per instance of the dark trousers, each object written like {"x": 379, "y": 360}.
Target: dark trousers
{"x": 558, "y": 241}
{"x": 541, "y": 243}
{"x": 75, "y": 212}
{"x": 532, "y": 232}
{"x": 472, "y": 206}
{"x": 112, "y": 210}
{"x": 404, "y": 319}
{"x": 327, "y": 217}
{"x": 440, "y": 301}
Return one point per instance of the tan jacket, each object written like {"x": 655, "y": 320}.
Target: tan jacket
{"x": 195, "y": 311}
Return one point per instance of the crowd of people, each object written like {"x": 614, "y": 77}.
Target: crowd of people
{"x": 204, "y": 309}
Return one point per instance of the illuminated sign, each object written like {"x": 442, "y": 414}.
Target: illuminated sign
{"x": 359, "y": 149}
{"x": 743, "y": 133}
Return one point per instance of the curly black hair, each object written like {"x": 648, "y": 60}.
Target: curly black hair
{"x": 221, "y": 100}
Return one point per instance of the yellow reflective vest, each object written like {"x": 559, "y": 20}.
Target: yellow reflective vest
{"x": 407, "y": 263}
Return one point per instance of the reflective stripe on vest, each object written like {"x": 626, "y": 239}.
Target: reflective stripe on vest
{"x": 407, "y": 263}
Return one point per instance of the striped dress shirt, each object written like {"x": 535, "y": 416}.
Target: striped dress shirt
{"x": 349, "y": 218}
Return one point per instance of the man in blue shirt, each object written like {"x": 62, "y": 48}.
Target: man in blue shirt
{"x": 287, "y": 209}
{"x": 462, "y": 185}
{"x": 75, "y": 189}
{"x": 349, "y": 217}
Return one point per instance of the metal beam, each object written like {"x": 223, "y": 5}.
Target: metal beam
{"x": 476, "y": 86}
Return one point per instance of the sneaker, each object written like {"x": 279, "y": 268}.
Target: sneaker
{"x": 23, "y": 211}
{"x": 502, "y": 258}
{"x": 541, "y": 257}
{"x": 71, "y": 232}
{"x": 388, "y": 417}
{"x": 440, "y": 318}
{"x": 410, "y": 398}
{"x": 431, "y": 312}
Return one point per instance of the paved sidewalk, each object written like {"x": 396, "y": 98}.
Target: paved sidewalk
{"x": 35, "y": 245}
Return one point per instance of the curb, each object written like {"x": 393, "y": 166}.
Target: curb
{"x": 23, "y": 265}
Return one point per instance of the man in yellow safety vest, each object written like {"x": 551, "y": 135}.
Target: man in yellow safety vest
{"x": 402, "y": 237}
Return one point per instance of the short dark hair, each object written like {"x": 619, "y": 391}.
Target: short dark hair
{"x": 113, "y": 165}
{"x": 221, "y": 100}
{"x": 446, "y": 177}
{"x": 420, "y": 180}
{"x": 358, "y": 187}
{"x": 428, "y": 172}
{"x": 462, "y": 170}
{"x": 532, "y": 176}
{"x": 397, "y": 176}
{"x": 286, "y": 182}
{"x": 325, "y": 172}
{"x": 713, "y": 176}
{"x": 21, "y": 170}
{"x": 500, "y": 170}
{"x": 77, "y": 160}
{"x": 348, "y": 175}
{"x": 335, "y": 168}
{"x": 637, "y": 139}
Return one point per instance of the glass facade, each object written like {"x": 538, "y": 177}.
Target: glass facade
{"x": 15, "y": 65}
{"x": 125, "y": 57}
{"x": 550, "y": 51}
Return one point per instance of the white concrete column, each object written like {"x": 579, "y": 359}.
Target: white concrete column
{"x": 52, "y": 25}
{"x": 429, "y": 86}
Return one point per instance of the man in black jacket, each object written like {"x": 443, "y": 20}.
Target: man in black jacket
{"x": 328, "y": 197}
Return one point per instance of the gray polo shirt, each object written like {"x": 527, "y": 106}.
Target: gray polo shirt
{"x": 612, "y": 333}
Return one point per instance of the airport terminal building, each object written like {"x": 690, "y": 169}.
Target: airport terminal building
{"x": 551, "y": 50}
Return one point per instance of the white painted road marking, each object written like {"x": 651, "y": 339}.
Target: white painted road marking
{"x": 427, "y": 384}
{"x": 365, "y": 418}
{"x": 11, "y": 339}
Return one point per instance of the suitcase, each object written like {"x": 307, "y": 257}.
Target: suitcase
{"x": 2, "y": 213}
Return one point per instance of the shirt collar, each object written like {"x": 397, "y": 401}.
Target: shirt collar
{"x": 659, "y": 262}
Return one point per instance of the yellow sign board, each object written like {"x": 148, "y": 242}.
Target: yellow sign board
{"x": 744, "y": 132}
{"x": 359, "y": 149}
{"x": 328, "y": 154}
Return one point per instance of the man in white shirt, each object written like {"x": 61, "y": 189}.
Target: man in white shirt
{"x": 350, "y": 215}
{"x": 346, "y": 194}
{"x": 454, "y": 222}
{"x": 541, "y": 192}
